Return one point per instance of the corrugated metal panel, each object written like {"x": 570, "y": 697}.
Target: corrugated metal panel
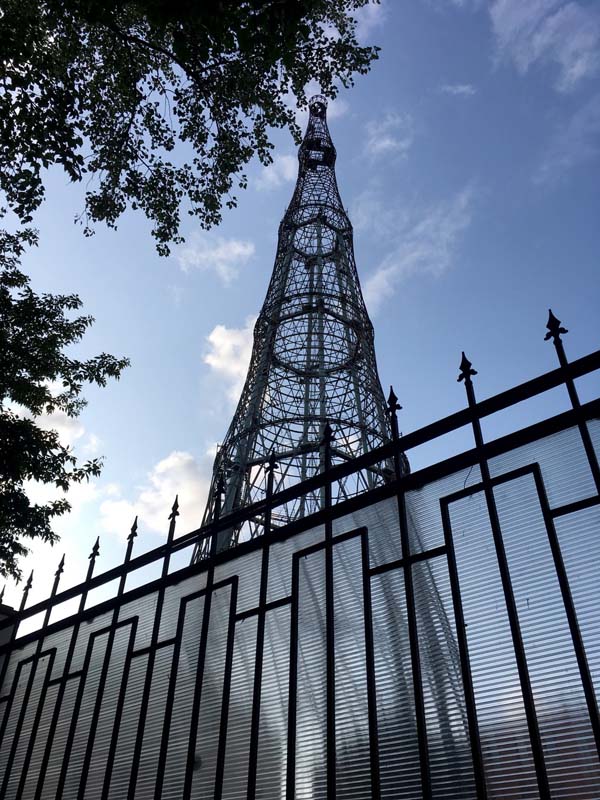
{"x": 240, "y": 710}
{"x": 565, "y": 468}
{"x": 398, "y": 749}
{"x": 567, "y": 741}
{"x": 59, "y": 740}
{"x": 353, "y": 769}
{"x": 185, "y": 675}
{"x": 209, "y": 720}
{"x": 311, "y": 695}
{"x": 128, "y": 729}
{"x": 20, "y": 688}
{"x": 447, "y": 730}
{"x": 272, "y": 735}
{"x": 504, "y": 737}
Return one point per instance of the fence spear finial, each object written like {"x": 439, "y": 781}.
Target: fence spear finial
{"x": 54, "y": 590}
{"x": 175, "y": 508}
{"x": 327, "y": 434}
{"x": 393, "y": 404}
{"x": 554, "y": 327}
{"x": 466, "y": 369}
{"x": 95, "y": 550}
{"x": 61, "y": 567}
{"x": 133, "y": 531}
{"x": 173, "y": 519}
{"x": 26, "y": 590}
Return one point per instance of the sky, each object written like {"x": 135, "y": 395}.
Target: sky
{"x": 468, "y": 161}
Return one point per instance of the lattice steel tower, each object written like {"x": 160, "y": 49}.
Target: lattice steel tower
{"x": 313, "y": 359}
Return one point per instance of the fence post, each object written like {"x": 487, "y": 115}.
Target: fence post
{"x": 326, "y": 443}
{"x": 210, "y": 573}
{"x": 62, "y": 688}
{"x": 260, "y": 636}
{"x": 466, "y": 374}
{"x": 13, "y": 636}
{"x": 411, "y": 613}
{"x": 555, "y": 330}
{"x": 102, "y": 681}
{"x": 43, "y": 691}
{"x": 145, "y": 702}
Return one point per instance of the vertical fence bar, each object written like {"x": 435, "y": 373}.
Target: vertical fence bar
{"x": 370, "y": 670}
{"x": 466, "y": 373}
{"x": 563, "y": 581}
{"x": 290, "y": 790}
{"x": 160, "y": 599}
{"x": 42, "y": 698}
{"x": 554, "y": 332}
{"x": 465, "y": 663}
{"x": 222, "y": 746}
{"x": 329, "y": 618}
{"x": 260, "y": 638}
{"x": 189, "y": 772}
{"x": 105, "y": 667}
{"x": 62, "y": 688}
{"x": 413, "y": 634}
{"x": 13, "y": 636}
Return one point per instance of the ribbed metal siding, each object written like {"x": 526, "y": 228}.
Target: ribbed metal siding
{"x": 568, "y": 747}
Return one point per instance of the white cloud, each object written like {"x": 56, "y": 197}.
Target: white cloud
{"x": 215, "y": 253}
{"x": 177, "y": 474}
{"x": 229, "y": 355}
{"x": 573, "y": 143}
{"x": 419, "y": 241}
{"x": 69, "y": 429}
{"x": 565, "y": 33}
{"x": 284, "y": 169}
{"x": 458, "y": 89}
{"x": 368, "y": 18}
{"x": 391, "y": 135}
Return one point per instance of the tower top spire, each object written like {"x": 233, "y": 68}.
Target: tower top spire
{"x": 317, "y": 150}
{"x": 318, "y": 105}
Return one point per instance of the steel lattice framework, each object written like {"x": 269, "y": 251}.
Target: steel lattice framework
{"x": 313, "y": 359}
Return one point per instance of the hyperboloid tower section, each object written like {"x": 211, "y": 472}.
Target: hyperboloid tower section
{"x": 313, "y": 359}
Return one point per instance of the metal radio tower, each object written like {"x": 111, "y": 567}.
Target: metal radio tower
{"x": 313, "y": 359}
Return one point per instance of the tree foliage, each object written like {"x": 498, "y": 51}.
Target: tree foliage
{"x": 159, "y": 104}
{"x": 38, "y": 377}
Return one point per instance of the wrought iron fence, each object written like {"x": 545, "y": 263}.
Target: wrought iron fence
{"x": 435, "y": 637}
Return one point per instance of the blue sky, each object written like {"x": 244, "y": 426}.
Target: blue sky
{"x": 468, "y": 160}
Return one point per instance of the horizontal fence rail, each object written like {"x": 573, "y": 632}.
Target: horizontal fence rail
{"x": 435, "y": 637}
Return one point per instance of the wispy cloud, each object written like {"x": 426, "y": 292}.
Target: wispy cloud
{"x": 574, "y": 142}
{"x": 215, "y": 254}
{"x": 229, "y": 355}
{"x": 283, "y": 170}
{"x": 419, "y": 241}
{"x": 459, "y": 89}
{"x": 393, "y": 134}
{"x": 543, "y": 31}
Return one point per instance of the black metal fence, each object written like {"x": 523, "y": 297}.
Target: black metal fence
{"x": 436, "y": 637}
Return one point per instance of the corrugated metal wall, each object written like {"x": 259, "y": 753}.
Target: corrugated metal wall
{"x": 185, "y": 656}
